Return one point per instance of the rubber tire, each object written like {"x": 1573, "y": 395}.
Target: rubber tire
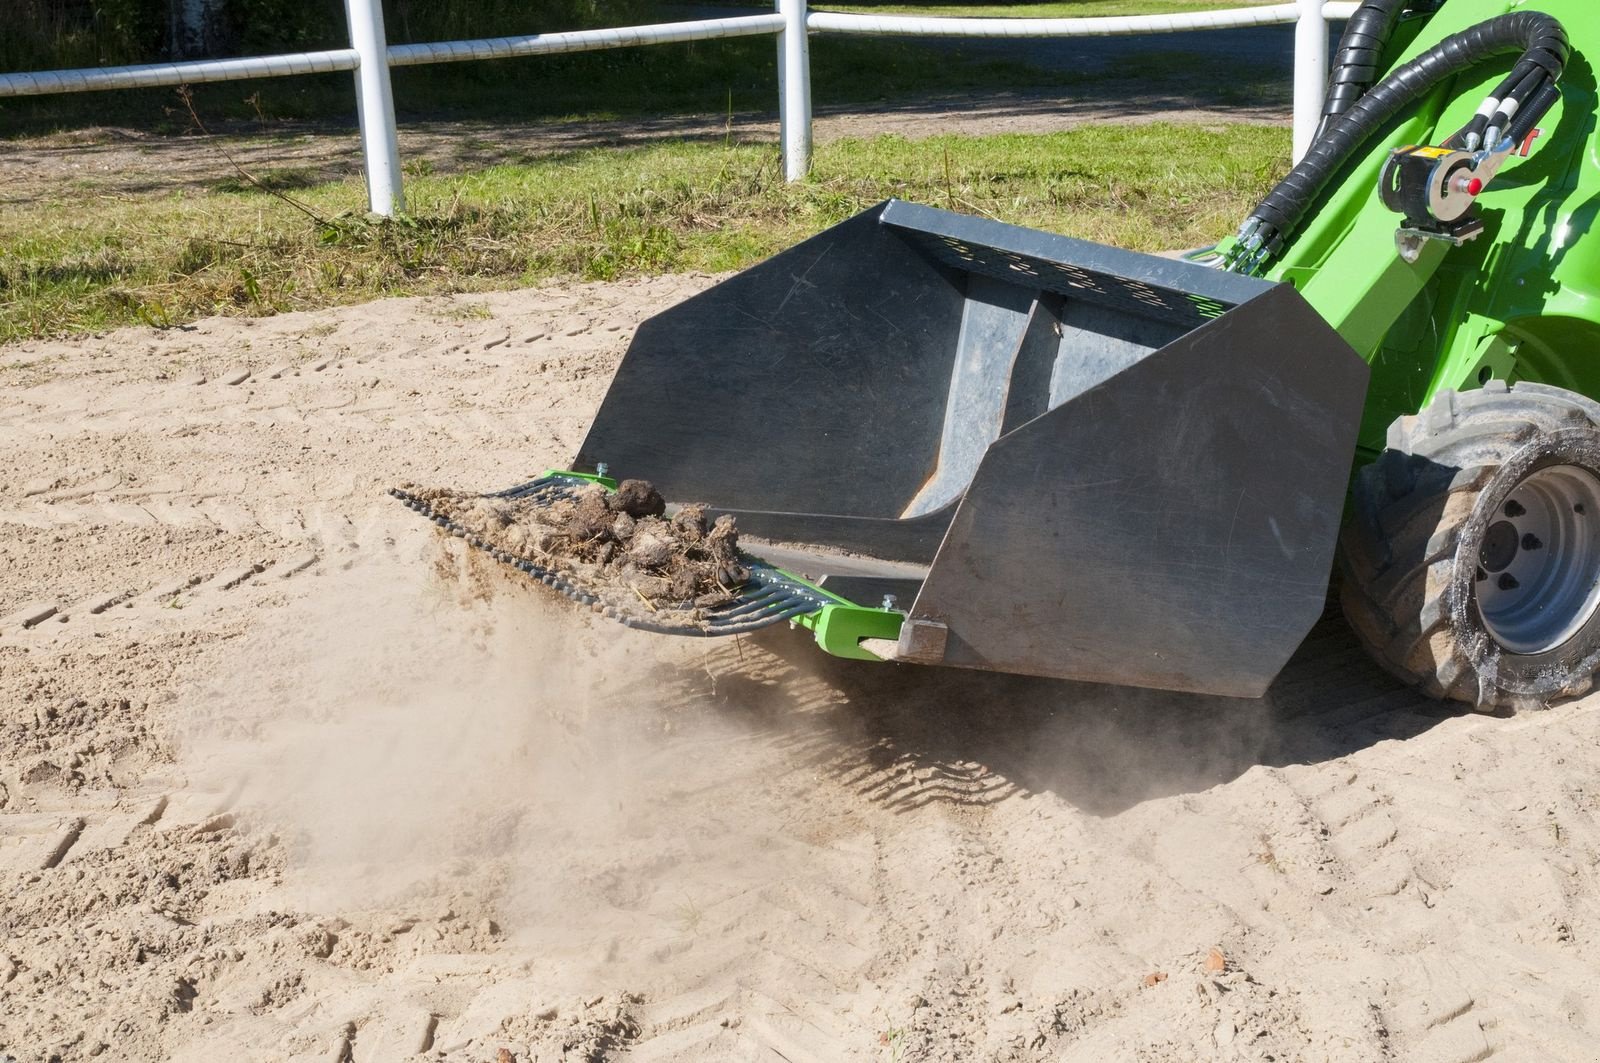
{"x": 1409, "y": 549}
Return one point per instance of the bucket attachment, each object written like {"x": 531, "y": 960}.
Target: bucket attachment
{"x": 990, "y": 447}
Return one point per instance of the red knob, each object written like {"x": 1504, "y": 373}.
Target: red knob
{"x": 1474, "y": 186}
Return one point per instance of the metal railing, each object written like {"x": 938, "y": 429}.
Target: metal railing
{"x": 370, "y": 56}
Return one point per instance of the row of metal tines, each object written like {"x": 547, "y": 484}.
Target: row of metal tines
{"x": 769, "y": 597}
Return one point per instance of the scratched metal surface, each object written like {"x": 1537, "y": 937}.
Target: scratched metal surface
{"x": 1173, "y": 526}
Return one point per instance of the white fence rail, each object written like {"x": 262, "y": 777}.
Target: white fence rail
{"x": 1118, "y": 26}
{"x": 370, "y": 57}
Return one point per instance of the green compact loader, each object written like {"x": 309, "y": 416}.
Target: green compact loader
{"x": 951, "y": 441}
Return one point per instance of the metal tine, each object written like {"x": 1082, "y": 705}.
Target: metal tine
{"x": 642, "y": 624}
{"x": 740, "y": 601}
{"x": 729, "y": 625}
{"x": 771, "y": 577}
{"x": 764, "y": 608}
{"x": 747, "y": 598}
{"x": 773, "y": 607}
{"x": 548, "y": 483}
{"x": 535, "y": 482}
{"x": 639, "y": 624}
{"x": 765, "y": 620}
{"x": 542, "y": 495}
{"x": 768, "y": 597}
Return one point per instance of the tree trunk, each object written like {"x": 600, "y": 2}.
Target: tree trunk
{"x": 195, "y": 28}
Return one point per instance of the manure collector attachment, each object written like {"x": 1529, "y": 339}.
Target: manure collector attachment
{"x": 991, "y": 447}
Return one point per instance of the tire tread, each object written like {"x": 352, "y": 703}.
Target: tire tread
{"x": 1396, "y": 552}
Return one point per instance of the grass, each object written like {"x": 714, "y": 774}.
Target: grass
{"x": 73, "y": 266}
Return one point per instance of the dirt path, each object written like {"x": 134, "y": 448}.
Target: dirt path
{"x": 282, "y": 776}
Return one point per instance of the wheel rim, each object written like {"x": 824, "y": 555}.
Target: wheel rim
{"x": 1538, "y": 573}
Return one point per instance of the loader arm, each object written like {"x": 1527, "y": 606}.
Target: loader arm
{"x": 1447, "y": 319}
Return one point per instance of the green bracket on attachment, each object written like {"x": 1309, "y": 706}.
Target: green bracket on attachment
{"x": 839, "y": 627}
{"x": 596, "y": 478}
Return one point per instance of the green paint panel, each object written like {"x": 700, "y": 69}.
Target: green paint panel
{"x": 1522, "y": 301}
{"x": 840, "y": 629}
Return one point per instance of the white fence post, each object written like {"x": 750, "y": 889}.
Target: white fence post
{"x": 1310, "y": 74}
{"x": 380, "y": 144}
{"x": 794, "y": 89}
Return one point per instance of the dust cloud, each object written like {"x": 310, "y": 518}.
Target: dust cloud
{"x": 589, "y": 812}
{"x": 408, "y": 728}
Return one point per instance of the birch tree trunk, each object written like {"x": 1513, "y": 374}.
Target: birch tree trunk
{"x": 195, "y": 27}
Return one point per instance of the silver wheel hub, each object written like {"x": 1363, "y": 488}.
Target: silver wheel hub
{"x": 1538, "y": 569}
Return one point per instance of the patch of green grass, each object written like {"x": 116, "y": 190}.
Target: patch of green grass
{"x": 268, "y": 181}
{"x": 74, "y": 266}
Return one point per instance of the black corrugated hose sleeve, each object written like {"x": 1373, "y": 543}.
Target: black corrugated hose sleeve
{"x": 1533, "y": 110}
{"x": 1356, "y": 62}
{"x": 1540, "y": 37}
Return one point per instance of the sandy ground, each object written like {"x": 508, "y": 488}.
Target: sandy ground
{"x": 285, "y": 777}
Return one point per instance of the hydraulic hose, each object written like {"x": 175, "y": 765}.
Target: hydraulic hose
{"x": 1356, "y": 63}
{"x": 1543, "y": 44}
{"x": 1531, "y": 112}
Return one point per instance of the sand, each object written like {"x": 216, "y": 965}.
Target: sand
{"x": 286, "y": 776}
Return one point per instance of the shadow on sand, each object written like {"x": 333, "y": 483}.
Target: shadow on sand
{"x": 905, "y": 736}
